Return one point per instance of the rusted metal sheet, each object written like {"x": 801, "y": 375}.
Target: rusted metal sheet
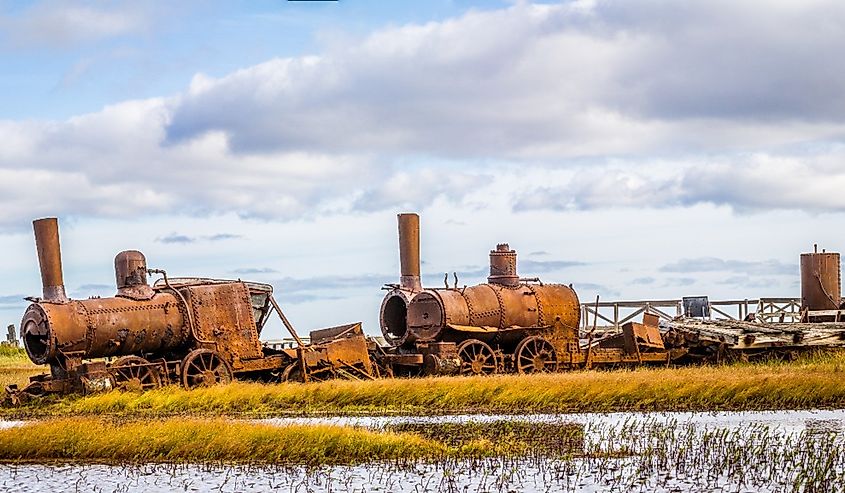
{"x": 223, "y": 318}
{"x": 331, "y": 333}
{"x": 341, "y": 352}
{"x": 641, "y": 338}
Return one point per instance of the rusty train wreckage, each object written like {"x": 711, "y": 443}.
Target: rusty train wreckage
{"x": 199, "y": 332}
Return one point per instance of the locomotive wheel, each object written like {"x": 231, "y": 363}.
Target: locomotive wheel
{"x": 292, "y": 373}
{"x": 477, "y": 358}
{"x": 204, "y": 368}
{"x": 133, "y": 373}
{"x": 535, "y": 355}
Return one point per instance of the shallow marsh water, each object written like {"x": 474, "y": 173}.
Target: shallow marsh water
{"x": 722, "y": 451}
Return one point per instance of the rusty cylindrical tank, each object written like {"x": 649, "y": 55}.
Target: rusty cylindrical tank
{"x": 821, "y": 287}
{"x": 409, "y": 315}
{"x": 146, "y": 322}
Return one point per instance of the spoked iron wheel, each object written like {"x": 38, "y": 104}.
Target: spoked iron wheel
{"x": 477, "y": 358}
{"x": 292, "y": 373}
{"x": 535, "y": 354}
{"x": 204, "y": 368}
{"x": 135, "y": 374}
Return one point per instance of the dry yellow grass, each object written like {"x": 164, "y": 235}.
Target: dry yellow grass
{"x": 195, "y": 440}
{"x": 810, "y": 383}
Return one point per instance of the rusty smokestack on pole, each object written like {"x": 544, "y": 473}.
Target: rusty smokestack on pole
{"x": 409, "y": 251}
{"x": 50, "y": 258}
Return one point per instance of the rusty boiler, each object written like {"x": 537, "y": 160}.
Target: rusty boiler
{"x": 499, "y": 312}
{"x": 138, "y": 320}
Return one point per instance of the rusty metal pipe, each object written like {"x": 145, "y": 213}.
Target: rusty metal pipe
{"x": 409, "y": 251}
{"x": 50, "y": 259}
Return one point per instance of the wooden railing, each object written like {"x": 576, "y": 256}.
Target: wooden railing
{"x": 612, "y": 315}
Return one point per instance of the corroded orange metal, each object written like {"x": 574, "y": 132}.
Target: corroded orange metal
{"x": 820, "y": 281}
{"x": 503, "y": 266}
{"x": 49, "y": 258}
{"x": 488, "y": 311}
{"x": 103, "y": 327}
{"x": 130, "y": 270}
{"x": 223, "y": 320}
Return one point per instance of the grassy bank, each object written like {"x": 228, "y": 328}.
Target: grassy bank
{"x": 219, "y": 439}
{"x": 15, "y": 367}
{"x": 813, "y": 382}
{"x": 186, "y": 440}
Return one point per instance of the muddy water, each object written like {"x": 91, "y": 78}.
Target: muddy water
{"x": 736, "y": 451}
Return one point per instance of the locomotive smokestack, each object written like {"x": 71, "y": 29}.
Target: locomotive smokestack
{"x": 409, "y": 251}
{"x": 503, "y": 266}
{"x": 50, "y": 258}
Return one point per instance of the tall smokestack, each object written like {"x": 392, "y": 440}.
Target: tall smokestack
{"x": 409, "y": 251}
{"x": 50, "y": 258}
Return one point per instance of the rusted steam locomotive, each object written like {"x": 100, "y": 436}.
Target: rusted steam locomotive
{"x": 509, "y": 324}
{"x": 197, "y": 332}
{"x": 200, "y": 332}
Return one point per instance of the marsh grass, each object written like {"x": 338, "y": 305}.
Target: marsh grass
{"x": 811, "y": 382}
{"x": 635, "y": 455}
{"x": 196, "y": 440}
{"x": 503, "y": 437}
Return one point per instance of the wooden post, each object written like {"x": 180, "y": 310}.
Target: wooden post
{"x": 588, "y": 362}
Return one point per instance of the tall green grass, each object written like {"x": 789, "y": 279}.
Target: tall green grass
{"x": 816, "y": 382}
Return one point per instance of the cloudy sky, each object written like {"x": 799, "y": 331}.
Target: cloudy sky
{"x": 636, "y": 148}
